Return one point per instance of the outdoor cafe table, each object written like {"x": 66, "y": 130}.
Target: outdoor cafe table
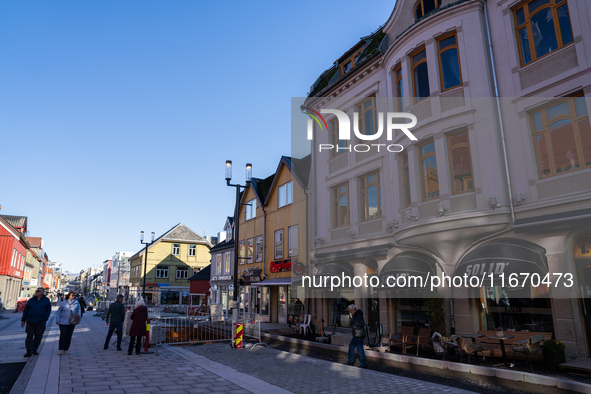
{"x": 502, "y": 339}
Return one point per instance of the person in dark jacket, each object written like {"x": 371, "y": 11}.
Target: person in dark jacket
{"x": 117, "y": 314}
{"x": 83, "y": 305}
{"x": 357, "y": 324}
{"x": 35, "y": 315}
{"x": 139, "y": 318}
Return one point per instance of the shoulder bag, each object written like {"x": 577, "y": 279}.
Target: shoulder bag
{"x": 74, "y": 318}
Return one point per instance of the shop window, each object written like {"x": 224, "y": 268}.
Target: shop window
{"x": 367, "y": 116}
{"x": 259, "y": 248}
{"x": 449, "y": 62}
{"x": 562, "y": 137}
{"x": 242, "y": 252}
{"x": 249, "y": 249}
{"x": 285, "y": 195}
{"x": 370, "y": 196}
{"x": 541, "y": 27}
{"x": 176, "y": 249}
{"x": 162, "y": 271}
{"x": 279, "y": 244}
{"x": 406, "y": 171}
{"x": 399, "y": 88}
{"x": 429, "y": 178}
{"x": 412, "y": 312}
{"x": 170, "y": 297}
{"x": 227, "y": 262}
{"x": 250, "y": 209}
{"x": 425, "y": 6}
{"x": 460, "y": 162}
{"x": 341, "y": 205}
{"x": 420, "y": 75}
{"x": 334, "y": 139}
{"x": 292, "y": 239}
{"x": 182, "y": 272}
{"x": 192, "y": 250}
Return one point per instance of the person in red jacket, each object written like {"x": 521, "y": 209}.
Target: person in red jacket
{"x": 139, "y": 318}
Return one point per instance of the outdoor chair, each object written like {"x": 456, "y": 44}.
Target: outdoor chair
{"x": 528, "y": 347}
{"x": 422, "y": 339}
{"x": 469, "y": 348}
{"x": 447, "y": 343}
{"x": 305, "y": 325}
{"x": 403, "y": 338}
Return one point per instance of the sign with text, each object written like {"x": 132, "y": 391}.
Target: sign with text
{"x": 280, "y": 266}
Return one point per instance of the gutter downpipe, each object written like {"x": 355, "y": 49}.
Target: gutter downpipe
{"x": 264, "y": 241}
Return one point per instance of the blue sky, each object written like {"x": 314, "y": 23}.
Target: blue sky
{"x": 118, "y": 116}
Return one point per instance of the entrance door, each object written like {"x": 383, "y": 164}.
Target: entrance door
{"x": 255, "y": 299}
{"x": 282, "y": 305}
{"x": 584, "y": 278}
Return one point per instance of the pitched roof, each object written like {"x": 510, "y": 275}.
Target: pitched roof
{"x": 301, "y": 171}
{"x": 262, "y": 187}
{"x": 16, "y": 221}
{"x": 204, "y": 274}
{"x": 222, "y": 245}
{"x": 34, "y": 241}
{"x": 180, "y": 232}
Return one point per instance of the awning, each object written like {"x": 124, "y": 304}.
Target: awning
{"x": 335, "y": 268}
{"x": 409, "y": 264}
{"x": 506, "y": 256}
{"x": 273, "y": 282}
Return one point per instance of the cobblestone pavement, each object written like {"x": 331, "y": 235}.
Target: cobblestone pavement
{"x": 88, "y": 368}
{"x": 302, "y": 374}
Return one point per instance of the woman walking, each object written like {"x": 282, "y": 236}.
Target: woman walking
{"x": 138, "y": 326}
{"x": 68, "y": 315}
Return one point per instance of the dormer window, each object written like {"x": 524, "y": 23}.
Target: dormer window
{"x": 348, "y": 64}
{"x": 425, "y": 6}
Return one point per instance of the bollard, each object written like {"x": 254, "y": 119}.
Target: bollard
{"x": 147, "y": 341}
{"x": 239, "y": 336}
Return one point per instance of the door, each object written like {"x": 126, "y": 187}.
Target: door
{"x": 255, "y": 299}
{"x": 264, "y": 304}
{"x": 282, "y": 305}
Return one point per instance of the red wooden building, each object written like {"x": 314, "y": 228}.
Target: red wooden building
{"x": 13, "y": 251}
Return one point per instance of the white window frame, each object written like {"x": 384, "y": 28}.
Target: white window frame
{"x": 249, "y": 250}
{"x": 184, "y": 271}
{"x": 192, "y": 250}
{"x": 250, "y": 210}
{"x": 285, "y": 194}
{"x": 275, "y": 243}
{"x": 176, "y": 249}
{"x": 258, "y": 257}
{"x": 227, "y": 262}
{"x": 292, "y": 240}
{"x": 162, "y": 273}
{"x": 218, "y": 263}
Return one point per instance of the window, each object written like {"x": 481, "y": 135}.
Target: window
{"x": 370, "y": 196}
{"x": 367, "y": 116}
{"x": 341, "y": 205}
{"x": 279, "y": 244}
{"x": 182, "y": 272}
{"x": 399, "y": 89}
{"x": 334, "y": 139}
{"x": 161, "y": 271}
{"x": 218, "y": 263}
{"x": 429, "y": 178}
{"x": 250, "y": 209}
{"x": 192, "y": 250}
{"x": 227, "y": 262}
{"x": 420, "y": 76}
{"x": 259, "y": 248}
{"x": 242, "y": 252}
{"x": 425, "y": 6}
{"x": 562, "y": 137}
{"x": 541, "y": 27}
{"x": 292, "y": 234}
{"x": 348, "y": 64}
{"x": 249, "y": 249}
{"x": 285, "y": 194}
{"x": 176, "y": 249}
{"x": 460, "y": 162}
{"x": 449, "y": 62}
{"x": 406, "y": 171}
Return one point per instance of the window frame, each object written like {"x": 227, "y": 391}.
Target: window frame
{"x": 218, "y": 263}
{"x": 450, "y": 160}
{"x": 258, "y": 257}
{"x": 241, "y": 252}
{"x": 365, "y": 209}
{"x": 420, "y": 3}
{"x": 576, "y": 120}
{"x": 440, "y": 52}
{"x": 250, "y": 250}
{"x": 361, "y": 115}
{"x": 421, "y": 158}
{"x": 277, "y": 243}
{"x": 177, "y": 249}
{"x": 334, "y": 138}
{"x": 554, "y": 5}
{"x": 414, "y": 65}
{"x": 160, "y": 270}
{"x": 398, "y": 87}
{"x": 405, "y": 166}
{"x": 352, "y": 59}
{"x": 335, "y": 200}
{"x": 184, "y": 270}
{"x": 192, "y": 250}
{"x": 227, "y": 262}
{"x": 250, "y": 211}
{"x": 292, "y": 230}
{"x": 287, "y": 201}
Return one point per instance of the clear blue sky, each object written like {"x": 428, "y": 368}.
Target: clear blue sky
{"x": 118, "y": 116}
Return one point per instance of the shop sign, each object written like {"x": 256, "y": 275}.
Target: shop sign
{"x": 34, "y": 282}
{"x": 221, "y": 277}
{"x": 149, "y": 284}
{"x": 298, "y": 268}
{"x": 280, "y": 266}
{"x": 252, "y": 276}
{"x": 162, "y": 284}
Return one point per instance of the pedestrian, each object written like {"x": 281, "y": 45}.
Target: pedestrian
{"x": 66, "y": 310}
{"x": 82, "y": 305}
{"x": 358, "y": 331}
{"x": 139, "y": 317}
{"x": 117, "y": 314}
{"x": 35, "y": 315}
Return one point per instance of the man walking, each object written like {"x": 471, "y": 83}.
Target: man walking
{"x": 35, "y": 315}
{"x": 83, "y": 305}
{"x": 117, "y": 313}
{"x": 358, "y": 331}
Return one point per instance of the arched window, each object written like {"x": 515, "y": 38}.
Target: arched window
{"x": 420, "y": 75}
{"x": 425, "y": 6}
{"x": 541, "y": 27}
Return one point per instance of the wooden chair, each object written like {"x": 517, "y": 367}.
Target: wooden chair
{"x": 423, "y": 339}
{"x": 469, "y": 348}
{"x": 530, "y": 346}
{"x": 405, "y": 335}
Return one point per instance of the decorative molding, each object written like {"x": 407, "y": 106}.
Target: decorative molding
{"x": 515, "y": 70}
{"x": 522, "y": 114}
{"x": 578, "y": 39}
{"x": 532, "y": 182}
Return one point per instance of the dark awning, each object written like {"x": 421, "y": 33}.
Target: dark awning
{"x": 409, "y": 264}
{"x": 506, "y": 256}
{"x": 333, "y": 268}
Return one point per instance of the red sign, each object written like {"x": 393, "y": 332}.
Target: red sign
{"x": 151, "y": 284}
{"x": 280, "y": 266}
{"x": 298, "y": 268}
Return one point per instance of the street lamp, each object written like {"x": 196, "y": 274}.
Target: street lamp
{"x": 145, "y": 260}
{"x": 237, "y": 228}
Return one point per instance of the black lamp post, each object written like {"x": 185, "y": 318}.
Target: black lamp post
{"x": 237, "y": 228}
{"x": 145, "y": 261}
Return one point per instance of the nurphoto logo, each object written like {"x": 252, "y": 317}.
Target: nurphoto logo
{"x": 344, "y": 133}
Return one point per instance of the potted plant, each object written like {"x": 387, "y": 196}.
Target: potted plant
{"x": 437, "y": 315}
{"x": 553, "y": 351}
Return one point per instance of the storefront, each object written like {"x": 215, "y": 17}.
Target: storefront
{"x": 582, "y": 257}
{"x": 221, "y": 294}
{"x": 335, "y": 304}
{"x": 276, "y": 301}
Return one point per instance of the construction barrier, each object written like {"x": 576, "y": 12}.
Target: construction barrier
{"x": 239, "y": 336}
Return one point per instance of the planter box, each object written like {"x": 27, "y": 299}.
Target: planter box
{"x": 552, "y": 359}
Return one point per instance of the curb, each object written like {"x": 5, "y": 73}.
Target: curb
{"x": 504, "y": 374}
